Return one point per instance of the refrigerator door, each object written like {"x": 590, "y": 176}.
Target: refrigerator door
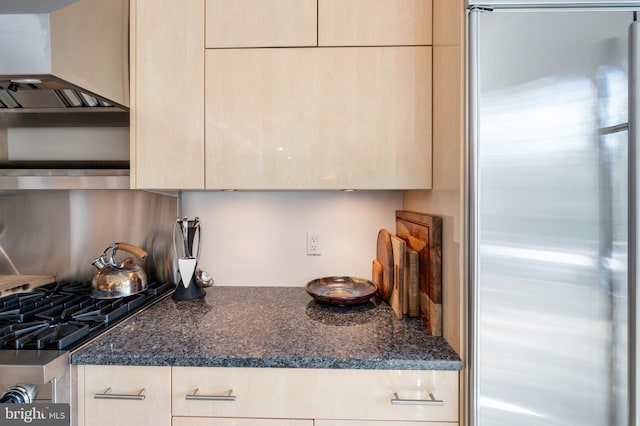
{"x": 549, "y": 217}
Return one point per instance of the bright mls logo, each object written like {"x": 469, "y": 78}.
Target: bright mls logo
{"x": 27, "y": 415}
{"x": 35, "y": 414}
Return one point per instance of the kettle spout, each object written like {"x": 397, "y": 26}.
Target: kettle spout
{"x": 102, "y": 261}
{"x": 99, "y": 262}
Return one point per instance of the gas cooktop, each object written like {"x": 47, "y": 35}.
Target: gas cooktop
{"x": 62, "y": 316}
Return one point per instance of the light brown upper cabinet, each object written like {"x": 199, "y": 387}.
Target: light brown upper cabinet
{"x": 261, "y": 23}
{"x": 374, "y": 22}
{"x": 213, "y": 106}
{"x": 330, "y": 118}
{"x": 167, "y": 94}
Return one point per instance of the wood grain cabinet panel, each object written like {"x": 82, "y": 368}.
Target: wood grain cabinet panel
{"x": 212, "y": 421}
{"x": 330, "y": 118}
{"x": 219, "y": 396}
{"x": 315, "y": 393}
{"x": 448, "y": 22}
{"x": 448, "y": 126}
{"x": 378, "y": 423}
{"x": 374, "y": 22}
{"x": 260, "y": 23}
{"x": 123, "y": 381}
{"x": 167, "y": 101}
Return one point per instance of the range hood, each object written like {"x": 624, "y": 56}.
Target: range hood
{"x": 67, "y": 67}
{"x": 23, "y": 175}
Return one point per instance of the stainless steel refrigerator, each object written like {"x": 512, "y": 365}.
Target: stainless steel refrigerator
{"x": 552, "y": 195}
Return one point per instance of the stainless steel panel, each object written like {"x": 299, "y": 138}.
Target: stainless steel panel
{"x": 48, "y": 369}
{"x": 32, "y": 49}
{"x": 529, "y": 4}
{"x": 65, "y": 182}
{"x": 26, "y": 44}
{"x": 33, "y": 366}
{"x": 32, "y": 6}
{"x": 551, "y": 280}
{"x": 61, "y": 232}
{"x": 68, "y": 117}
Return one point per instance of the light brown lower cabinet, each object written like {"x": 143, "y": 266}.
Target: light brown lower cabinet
{"x": 377, "y": 423}
{"x": 212, "y": 396}
{"x": 212, "y": 421}
{"x": 124, "y": 395}
{"x": 370, "y": 395}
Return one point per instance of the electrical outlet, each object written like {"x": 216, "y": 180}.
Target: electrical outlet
{"x": 313, "y": 244}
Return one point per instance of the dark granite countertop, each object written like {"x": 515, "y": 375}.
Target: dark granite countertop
{"x": 269, "y": 327}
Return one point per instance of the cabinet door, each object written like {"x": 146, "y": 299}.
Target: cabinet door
{"x": 122, "y": 385}
{"x": 261, "y": 23}
{"x": 380, "y": 423}
{"x": 212, "y": 421}
{"x": 332, "y": 118}
{"x": 374, "y": 22}
{"x": 167, "y": 101}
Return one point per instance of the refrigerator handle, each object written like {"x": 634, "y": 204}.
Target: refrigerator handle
{"x": 634, "y": 121}
{"x": 471, "y": 237}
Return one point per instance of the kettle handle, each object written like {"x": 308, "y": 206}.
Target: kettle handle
{"x": 134, "y": 250}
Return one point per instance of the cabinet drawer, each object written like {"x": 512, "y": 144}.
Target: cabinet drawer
{"x": 374, "y": 22}
{"x": 381, "y": 423}
{"x": 210, "y": 421}
{"x": 121, "y": 385}
{"x": 260, "y": 23}
{"x": 315, "y": 393}
{"x": 331, "y": 118}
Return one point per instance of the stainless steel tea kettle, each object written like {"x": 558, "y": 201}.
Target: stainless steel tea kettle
{"x": 118, "y": 279}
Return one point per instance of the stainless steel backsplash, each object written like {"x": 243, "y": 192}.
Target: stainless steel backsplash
{"x": 60, "y": 232}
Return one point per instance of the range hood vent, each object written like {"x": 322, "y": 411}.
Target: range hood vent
{"x": 68, "y": 67}
{"x": 64, "y": 175}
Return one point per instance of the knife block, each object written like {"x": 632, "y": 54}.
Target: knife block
{"x": 187, "y": 265}
{"x": 193, "y": 292}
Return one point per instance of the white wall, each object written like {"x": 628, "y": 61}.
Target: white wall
{"x": 259, "y": 238}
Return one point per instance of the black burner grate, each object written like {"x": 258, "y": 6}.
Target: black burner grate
{"x": 64, "y": 316}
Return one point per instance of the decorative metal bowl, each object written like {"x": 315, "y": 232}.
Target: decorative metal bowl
{"x": 341, "y": 291}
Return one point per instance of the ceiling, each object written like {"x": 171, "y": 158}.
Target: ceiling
{"x": 32, "y": 6}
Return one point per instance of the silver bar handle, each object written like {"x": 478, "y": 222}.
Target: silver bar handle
{"x": 108, "y": 395}
{"x": 633, "y": 225}
{"x": 472, "y": 406}
{"x": 432, "y": 401}
{"x": 194, "y": 396}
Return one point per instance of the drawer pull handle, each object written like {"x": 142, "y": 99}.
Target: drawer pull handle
{"x": 194, "y": 396}
{"x": 108, "y": 395}
{"x": 432, "y": 401}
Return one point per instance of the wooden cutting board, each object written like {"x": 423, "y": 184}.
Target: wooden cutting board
{"x": 20, "y": 283}
{"x": 397, "y": 293}
{"x": 412, "y": 287}
{"x": 423, "y": 233}
{"x": 376, "y": 273}
{"x": 384, "y": 255}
